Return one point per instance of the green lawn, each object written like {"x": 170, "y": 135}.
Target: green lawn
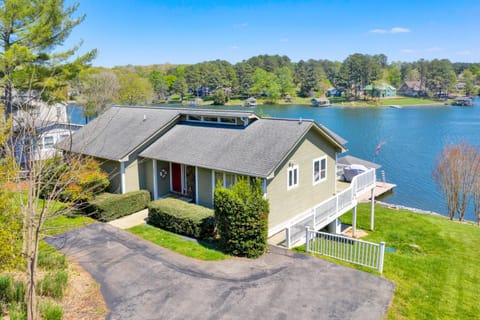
{"x": 203, "y": 250}
{"x": 436, "y": 266}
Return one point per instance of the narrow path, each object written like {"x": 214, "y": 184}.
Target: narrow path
{"x": 140, "y": 280}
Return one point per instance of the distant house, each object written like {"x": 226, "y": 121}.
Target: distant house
{"x": 334, "y": 92}
{"x": 41, "y": 125}
{"x": 411, "y": 89}
{"x": 381, "y": 90}
{"x": 189, "y": 151}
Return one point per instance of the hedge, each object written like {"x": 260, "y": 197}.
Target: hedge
{"x": 181, "y": 217}
{"x": 108, "y": 206}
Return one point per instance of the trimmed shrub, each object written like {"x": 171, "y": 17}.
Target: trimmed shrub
{"x": 108, "y": 206}
{"x": 242, "y": 219}
{"x": 181, "y": 217}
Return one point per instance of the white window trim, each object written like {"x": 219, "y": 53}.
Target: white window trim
{"x": 293, "y": 168}
{"x": 319, "y": 160}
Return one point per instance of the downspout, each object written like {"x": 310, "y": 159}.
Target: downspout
{"x": 122, "y": 177}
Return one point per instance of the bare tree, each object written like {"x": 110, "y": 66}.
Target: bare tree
{"x": 456, "y": 174}
{"x": 46, "y": 178}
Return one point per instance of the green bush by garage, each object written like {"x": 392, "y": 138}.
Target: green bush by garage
{"x": 181, "y": 217}
{"x": 108, "y": 206}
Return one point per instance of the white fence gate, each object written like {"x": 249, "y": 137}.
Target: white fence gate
{"x": 356, "y": 251}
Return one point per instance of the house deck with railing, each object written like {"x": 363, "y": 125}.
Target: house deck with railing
{"x": 326, "y": 212}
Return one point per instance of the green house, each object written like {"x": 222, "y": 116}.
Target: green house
{"x": 380, "y": 90}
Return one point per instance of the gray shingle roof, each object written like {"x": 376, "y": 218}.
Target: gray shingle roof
{"x": 119, "y": 131}
{"x": 253, "y": 150}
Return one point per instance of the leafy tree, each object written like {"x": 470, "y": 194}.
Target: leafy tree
{"x": 265, "y": 84}
{"x": 440, "y": 76}
{"x": 158, "y": 83}
{"x": 285, "y": 81}
{"x": 134, "y": 89}
{"x": 29, "y": 30}
{"x": 10, "y": 223}
{"x": 242, "y": 218}
{"x": 99, "y": 89}
{"x": 358, "y": 71}
{"x": 180, "y": 87}
{"x": 245, "y": 77}
{"x": 394, "y": 76}
{"x": 169, "y": 80}
{"x": 219, "y": 97}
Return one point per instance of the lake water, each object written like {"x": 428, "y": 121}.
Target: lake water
{"x": 414, "y": 138}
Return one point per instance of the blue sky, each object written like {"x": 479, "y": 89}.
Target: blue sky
{"x": 146, "y": 32}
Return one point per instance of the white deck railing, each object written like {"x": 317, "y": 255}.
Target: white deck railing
{"x": 328, "y": 210}
{"x": 360, "y": 252}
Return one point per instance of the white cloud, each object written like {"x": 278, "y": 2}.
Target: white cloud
{"x": 284, "y": 40}
{"x": 399, "y": 30}
{"x": 408, "y": 51}
{"x": 392, "y": 30}
{"x": 234, "y": 47}
{"x": 378, "y": 31}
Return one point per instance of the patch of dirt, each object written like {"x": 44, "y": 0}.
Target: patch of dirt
{"x": 83, "y": 299}
{"x": 360, "y": 233}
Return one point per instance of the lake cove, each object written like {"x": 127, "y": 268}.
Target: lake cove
{"x": 414, "y": 138}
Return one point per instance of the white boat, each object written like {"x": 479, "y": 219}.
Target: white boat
{"x": 319, "y": 102}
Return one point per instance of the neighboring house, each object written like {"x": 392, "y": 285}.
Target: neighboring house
{"x": 187, "y": 152}
{"x": 381, "y": 90}
{"x": 411, "y": 89}
{"x": 334, "y": 92}
{"x": 41, "y": 125}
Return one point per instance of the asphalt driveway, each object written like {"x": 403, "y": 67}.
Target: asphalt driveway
{"x": 140, "y": 280}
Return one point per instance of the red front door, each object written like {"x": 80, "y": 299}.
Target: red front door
{"x": 177, "y": 177}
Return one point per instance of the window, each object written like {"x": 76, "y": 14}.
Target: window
{"x": 319, "y": 170}
{"x": 292, "y": 179}
{"x": 47, "y": 142}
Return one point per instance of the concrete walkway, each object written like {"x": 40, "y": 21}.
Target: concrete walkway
{"x": 132, "y": 220}
{"x": 140, "y": 280}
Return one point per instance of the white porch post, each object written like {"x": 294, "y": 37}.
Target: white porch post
{"x": 372, "y": 209}
{"x": 354, "y": 222}
{"x": 196, "y": 185}
{"x": 155, "y": 180}
{"x": 122, "y": 177}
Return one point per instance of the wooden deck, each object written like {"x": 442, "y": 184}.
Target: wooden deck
{"x": 381, "y": 188}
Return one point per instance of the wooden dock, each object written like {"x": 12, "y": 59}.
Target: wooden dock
{"x": 380, "y": 189}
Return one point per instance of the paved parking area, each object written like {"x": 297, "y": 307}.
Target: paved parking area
{"x": 140, "y": 280}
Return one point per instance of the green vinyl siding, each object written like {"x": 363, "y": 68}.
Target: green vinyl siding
{"x": 204, "y": 180}
{"x": 286, "y": 203}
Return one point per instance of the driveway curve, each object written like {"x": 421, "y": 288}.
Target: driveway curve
{"x": 140, "y": 280}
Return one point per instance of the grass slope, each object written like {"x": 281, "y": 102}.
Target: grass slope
{"x": 436, "y": 266}
{"x": 198, "y": 249}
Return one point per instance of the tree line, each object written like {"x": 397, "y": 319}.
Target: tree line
{"x": 272, "y": 77}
